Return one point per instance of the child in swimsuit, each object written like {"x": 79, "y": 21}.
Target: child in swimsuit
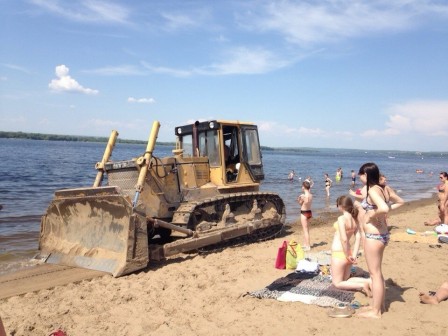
{"x": 342, "y": 256}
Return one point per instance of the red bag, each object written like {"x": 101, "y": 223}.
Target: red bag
{"x": 280, "y": 262}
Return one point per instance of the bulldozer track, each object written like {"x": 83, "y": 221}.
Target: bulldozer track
{"x": 40, "y": 277}
{"x": 269, "y": 232}
{"x": 186, "y": 211}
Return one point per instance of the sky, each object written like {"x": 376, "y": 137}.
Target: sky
{"x": 318, "y": 73}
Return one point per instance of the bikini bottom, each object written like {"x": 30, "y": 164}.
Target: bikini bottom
{"x": 338, "y": 255}
{"x": 307, "y": 213}
{"x": 384, "y": 238}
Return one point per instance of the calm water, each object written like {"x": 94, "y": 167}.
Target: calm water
{"x": 30, "y": 171}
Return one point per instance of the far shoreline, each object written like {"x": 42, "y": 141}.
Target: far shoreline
{"x": 102, "y": 139}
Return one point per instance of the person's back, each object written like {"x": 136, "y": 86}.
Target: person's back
{"x": 349, "y": 224}
{"x": 306, "y": 199}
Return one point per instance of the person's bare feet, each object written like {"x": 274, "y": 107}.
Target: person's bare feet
{"x": 428, "y": 299}
{"x": 432, "y": 223}
{"x": 369, "y": 314}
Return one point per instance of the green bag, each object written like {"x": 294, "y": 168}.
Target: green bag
{"x": 294, "y": 253}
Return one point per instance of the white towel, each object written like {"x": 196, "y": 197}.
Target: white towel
{"x": 307, "y": 266}
{"x": 293, "y": 297}
{"x": 441, "y": 229}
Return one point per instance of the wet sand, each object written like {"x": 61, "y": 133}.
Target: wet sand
{"x": 203, "y": 294}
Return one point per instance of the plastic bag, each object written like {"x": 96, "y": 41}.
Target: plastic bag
{"x": 294, "y": 253}
{"x": 280, "y": 262}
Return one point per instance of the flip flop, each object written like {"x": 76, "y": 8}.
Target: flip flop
{"x": 356, "y": 305}
{"x": 443, "y": 239}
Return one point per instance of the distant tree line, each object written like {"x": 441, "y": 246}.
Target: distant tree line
{"x": 80, "y": 138}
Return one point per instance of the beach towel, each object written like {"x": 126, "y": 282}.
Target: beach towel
{"x": 306, "y": 288}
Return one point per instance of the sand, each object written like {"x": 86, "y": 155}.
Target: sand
{"x": 194, "y": 294}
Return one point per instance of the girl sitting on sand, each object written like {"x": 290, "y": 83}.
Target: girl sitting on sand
{"x": 342, "y": 257}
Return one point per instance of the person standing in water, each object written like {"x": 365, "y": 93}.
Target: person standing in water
{"x": 305, "y": 200}
{"x": 328, "y": 183}
{"x": 353, "y": 175}
{"x": 310, "y": 181}
{"x": 338, "y": 175}
{"x": 291, "y": 175}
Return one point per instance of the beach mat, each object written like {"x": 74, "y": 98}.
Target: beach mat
{"x": 305, "y": 288}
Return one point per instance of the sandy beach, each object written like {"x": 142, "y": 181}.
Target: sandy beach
{"x": 203, "y": 294}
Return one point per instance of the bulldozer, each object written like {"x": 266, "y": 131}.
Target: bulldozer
{"x": 149, "y": 208}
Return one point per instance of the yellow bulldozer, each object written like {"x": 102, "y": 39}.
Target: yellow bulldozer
{"x": 206, "y": 193}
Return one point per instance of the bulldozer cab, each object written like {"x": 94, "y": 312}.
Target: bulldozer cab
{"x": 233, "y": 150}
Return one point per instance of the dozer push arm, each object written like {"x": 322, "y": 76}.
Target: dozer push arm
{"x": 107, "y": 153}
{"x": 145, "y": 159}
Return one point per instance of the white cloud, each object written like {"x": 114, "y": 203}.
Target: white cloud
{"x": 17, "y": 68}
{"x": 124, "y": 70}
{"x": 94, "y": 11}
{"x": 178, "y": 21}
{"x": 168, "y": 71}
{"x": 312, "y": 132}
{"x": 104, "y": 123}
{"x": 267, "y": 126}
{"x": 243, "y": 60}
{"x": 186, "y": 17}
{"x": 273, "y": 127}
{"x": 236, "y": 61}
{"x": 65, "y": 83}
{"x": 322, "y": 21}
{"x": 421, "y": 117}
{"x": 418, "y": 118}
{"x": 370, "y": 133}
{"x": 141, "y": 100}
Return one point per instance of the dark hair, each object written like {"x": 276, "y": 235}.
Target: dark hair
{"x": 306, "y": 185}
{"x": 347, "y": 203}
{"x": 372, "y": 173}
{"x": 444, "y": 174}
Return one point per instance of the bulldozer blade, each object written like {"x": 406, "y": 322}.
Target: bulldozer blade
{"x": 94, "y": 228}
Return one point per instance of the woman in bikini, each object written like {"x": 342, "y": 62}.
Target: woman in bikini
{"x": 376, "y": 232}
{"x": 342, "y": 256}
{"x": 305, "y": 201}
{"x": 442, "y": 189}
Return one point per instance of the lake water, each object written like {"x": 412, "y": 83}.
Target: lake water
{"x": 31, "y": 170}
